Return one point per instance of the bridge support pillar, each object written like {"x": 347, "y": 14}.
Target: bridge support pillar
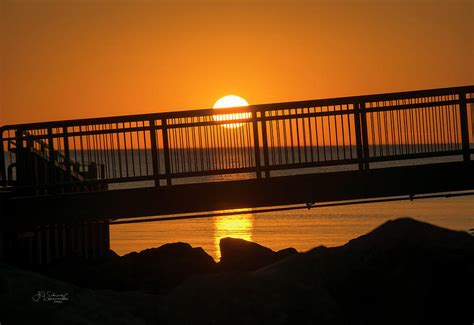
{"x": 48, "y": 244}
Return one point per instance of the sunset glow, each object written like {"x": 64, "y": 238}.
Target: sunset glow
{"x": 237, "y": 162}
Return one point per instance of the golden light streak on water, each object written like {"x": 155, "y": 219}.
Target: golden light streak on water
{"x": 235, "y": 226}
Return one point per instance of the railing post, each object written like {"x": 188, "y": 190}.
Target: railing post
{"x": 154, "y": 153}
{"x": 3, "y": 171}
{"x": 365, "y": 138}
{"x": 265, "y": 144}
{"x": 67, "y": 157}
{"x": 166, "y": 151}
{"x": 20, "y": 158}
{"x": 466, "y": 152}
{"x": 357, "y": 129}
{"x": 256, "y": 144}
{"x": 52, "y": 159}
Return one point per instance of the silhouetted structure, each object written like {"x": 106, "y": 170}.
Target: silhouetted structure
{"x": 69, "y": 178}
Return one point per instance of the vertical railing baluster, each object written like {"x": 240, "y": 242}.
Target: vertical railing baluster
{"x": 256, "y": 144}
{"x": 3, "y": 171}
{"x": 365, "y": 138}
{"x": 52, "y": 159}
{"x": 357, "y": 130}
{"x": 67, "y": 160}
{"x": 154, "y": 153}
{"x": 20, "y": 158}
{"x": 265, "y": 144}
{"x": 166, "y": 151}
{"x": 464, "y": 127}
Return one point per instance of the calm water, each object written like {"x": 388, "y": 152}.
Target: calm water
{"x": 301, "y": 229}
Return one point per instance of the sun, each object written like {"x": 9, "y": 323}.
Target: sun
{"x": 231, "y": 101}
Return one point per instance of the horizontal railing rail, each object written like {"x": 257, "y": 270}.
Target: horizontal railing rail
{"x": 258, "y": 141}
{"x": 258, "y": 107}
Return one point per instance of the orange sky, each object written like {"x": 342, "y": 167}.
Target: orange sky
{"x": 75, "y": 59}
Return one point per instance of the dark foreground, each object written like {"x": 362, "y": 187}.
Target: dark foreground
{"x": 403, "y": 272}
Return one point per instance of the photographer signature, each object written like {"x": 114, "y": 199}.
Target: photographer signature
{"x": 50, "y": 296}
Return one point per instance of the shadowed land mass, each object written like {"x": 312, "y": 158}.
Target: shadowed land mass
{"x": 404, "y": 271}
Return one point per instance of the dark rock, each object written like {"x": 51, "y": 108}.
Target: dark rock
{"x": 241, "y": 255}
{"x": 403, "y": 272}
{"x": 112, "y": 254}
{"x": 156, "y": 270}
{"x": 162, "y": 268}
{"x": 82, "y": 272}
{"x": 284, "y": 253}
{"x": 80, "y": 306}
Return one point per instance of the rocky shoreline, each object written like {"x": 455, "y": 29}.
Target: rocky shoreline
{"x": 403, "y": 272}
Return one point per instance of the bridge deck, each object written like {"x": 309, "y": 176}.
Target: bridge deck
{"x": 285, "y": 190}
{"x": 262, "y": 155}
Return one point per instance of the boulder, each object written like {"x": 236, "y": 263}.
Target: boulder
{"x": 80, "y": 271}
{"x": 241, "y": 255}
{"x": 403, "y": 272}
{"x": 154, "y": 270}
{"x": 157, "y": 269}
{"x": 284, "y": 253}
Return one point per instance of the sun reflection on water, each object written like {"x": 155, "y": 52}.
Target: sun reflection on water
{"x": 236, "y": 226}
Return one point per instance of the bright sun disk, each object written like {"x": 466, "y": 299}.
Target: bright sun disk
{"x": 231, "y": 101}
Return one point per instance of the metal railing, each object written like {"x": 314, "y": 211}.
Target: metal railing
{"x": 258, "y": 141}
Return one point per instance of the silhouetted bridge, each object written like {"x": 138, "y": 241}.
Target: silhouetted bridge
{"x": 91, "y": 171}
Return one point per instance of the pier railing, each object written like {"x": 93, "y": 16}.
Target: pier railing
{"x": 258, "y": 141}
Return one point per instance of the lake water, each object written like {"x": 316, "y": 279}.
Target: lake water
{"x": 301, "y": 229}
